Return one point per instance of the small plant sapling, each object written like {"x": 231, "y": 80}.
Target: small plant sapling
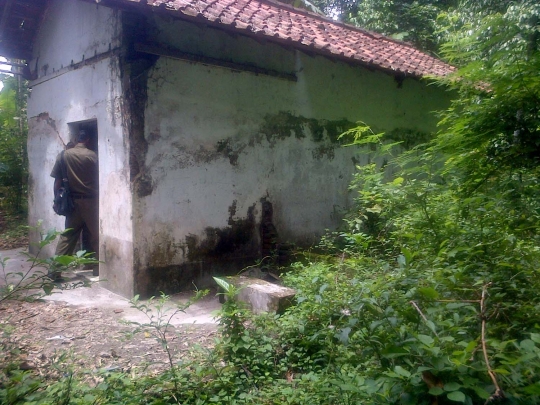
{"x": 160, "y": 314}
{"x": 35, "y": 281}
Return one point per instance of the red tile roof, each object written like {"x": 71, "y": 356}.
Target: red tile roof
{"x": 305, "y": 31}
{"x": 262, "y": 19}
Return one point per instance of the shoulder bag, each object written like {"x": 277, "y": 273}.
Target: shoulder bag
{"x": 63, "y": 203}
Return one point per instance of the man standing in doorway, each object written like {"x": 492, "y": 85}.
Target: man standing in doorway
{"x": 82, "y": 172}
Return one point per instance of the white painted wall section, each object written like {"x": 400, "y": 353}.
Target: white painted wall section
{"x": 212, "y": 160}
{"x": 65, "y": 94}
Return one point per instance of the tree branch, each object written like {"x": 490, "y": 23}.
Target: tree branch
{"x": 415, "y": 305}
{"x": 498, "y": 394}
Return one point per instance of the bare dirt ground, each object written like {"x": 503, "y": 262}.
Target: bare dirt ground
{"x": 10, "y": 239}
{"x": 54, "y": 337}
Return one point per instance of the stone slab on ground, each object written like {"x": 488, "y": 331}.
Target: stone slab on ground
{"x": 261, "y": 295}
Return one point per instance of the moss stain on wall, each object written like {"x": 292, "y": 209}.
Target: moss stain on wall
{"x": 277, "y": 127}
{"x": 285, "y": 124}
{"x": 226, "y": 149}
{"x": 239, "y": 238}
{"x": 224, "y": 250}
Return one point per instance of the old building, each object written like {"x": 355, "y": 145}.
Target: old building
{"x": 214, "y": 121}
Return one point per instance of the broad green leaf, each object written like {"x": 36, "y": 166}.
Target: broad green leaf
{"x": 457, "y": 396}
{"x": 397, "y": 181}
{"x": 482, "y": 393}
{"x": 222, "y": 283}
{"x": 376, "y": 209}
{"x": 429, "y": 292}
{"x": 344, "y": 335}
{"x": 408, "y": 255}
{"x": 64, "y": 260}
{"x": 401, "y": 371}
{"x": 527, "y": 345}
{"x": 436, "y": 391}
{"x": 391, "y": 352}
{"x": 425, "y": 339}
{"x": 535, "y": 337}
{"x": 47, "y": 288}
{"x": 431, "y": 326}
{"x": 452, "y": 386}
{"x": 471, "y": 346}
{"x": 375, "y": 324}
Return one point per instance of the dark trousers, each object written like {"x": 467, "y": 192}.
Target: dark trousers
{"x": 85, "y": 213}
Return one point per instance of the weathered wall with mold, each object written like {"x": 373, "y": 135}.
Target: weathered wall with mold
{"x": 219, "y": 142}
{"x": 76, "y": 62}
{"x": 190, "y": 152}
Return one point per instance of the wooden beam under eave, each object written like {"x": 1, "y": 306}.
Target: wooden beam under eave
{"x": 5, "y": 15}
{"x": 204, "y": 60}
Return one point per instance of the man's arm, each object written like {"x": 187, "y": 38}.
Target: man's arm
{"x": 57, "y": 185}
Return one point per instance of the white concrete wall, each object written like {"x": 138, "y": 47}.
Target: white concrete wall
{"x": 195, "y": 109}
{"x": 67, "y": 93}
{"x": 73, "y": 31}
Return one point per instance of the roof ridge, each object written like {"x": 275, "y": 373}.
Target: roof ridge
{"x": 372, "y": 34}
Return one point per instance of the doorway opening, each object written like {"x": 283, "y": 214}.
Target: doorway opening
{"x": 91, "y": 128}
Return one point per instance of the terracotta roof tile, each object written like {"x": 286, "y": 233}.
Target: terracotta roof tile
{"x": 304, "y": 30}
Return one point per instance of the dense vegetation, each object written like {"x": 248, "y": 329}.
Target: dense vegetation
{"x": 428, "y": 295}
{"x": 13, "y": 157}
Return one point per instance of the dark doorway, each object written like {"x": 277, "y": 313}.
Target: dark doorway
{"x": 91, "y": 128}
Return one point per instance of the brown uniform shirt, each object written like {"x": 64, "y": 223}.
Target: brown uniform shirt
{"x": 82, "y": 170}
